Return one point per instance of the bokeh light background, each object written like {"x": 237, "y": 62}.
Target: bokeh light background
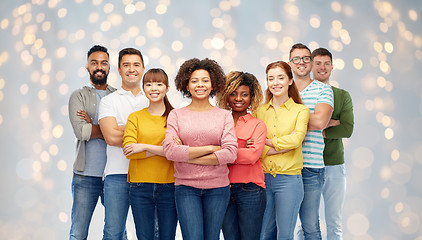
{"x": 377, "y": 48}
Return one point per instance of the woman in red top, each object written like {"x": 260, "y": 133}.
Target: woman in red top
{"x": 246, "y": 208}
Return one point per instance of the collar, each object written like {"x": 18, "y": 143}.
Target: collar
{"x": 288, "y": 104}
{"x": 109, "y": 88}
{"x": 245, "y": 118}
{"x": 123, "y": 92}
{"x": 310, "y": 84}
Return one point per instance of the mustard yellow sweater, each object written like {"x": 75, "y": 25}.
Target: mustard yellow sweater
{"x": 142, "y": 127}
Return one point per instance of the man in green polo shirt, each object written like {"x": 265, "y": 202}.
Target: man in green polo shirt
{"x": 340, "y": 126}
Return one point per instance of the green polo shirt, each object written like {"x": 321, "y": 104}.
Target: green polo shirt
{"x": 343, "y": 111}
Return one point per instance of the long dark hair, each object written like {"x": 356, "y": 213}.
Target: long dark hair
{"x": 158, "y": 75}
{"x": 292, "y": 92}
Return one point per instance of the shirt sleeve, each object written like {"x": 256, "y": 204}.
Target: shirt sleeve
{"x": 326, "y": 95}
{"x": 252, "y": 154}
{"x": 131, "y": 136}
{"x": 345, "y": 129}
{"x": 106, "y": 108}
{"x": 258, "y": 114}
{"x": 294, "y": 140}
{"x": 174, "y": 152}
{"x": 81, "y": 128}
{"x": 228, "y": 151}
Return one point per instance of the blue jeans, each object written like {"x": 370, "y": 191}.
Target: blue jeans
{"x": 284, "y": 196}
{"x": 333, "y": 193}
{"x": 85, "y": 191}
{"x": 201, "y": 211}
{"x": 313, "y": 180}
{"x": 116, "y": 203}
{"x": 146, "y": 200}
{"x": 245, "y": 211}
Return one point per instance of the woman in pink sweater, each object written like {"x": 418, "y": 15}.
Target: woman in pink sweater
{"x": 200, "y": 139}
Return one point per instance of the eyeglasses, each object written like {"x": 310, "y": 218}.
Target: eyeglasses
{"x": 296, "y": 60}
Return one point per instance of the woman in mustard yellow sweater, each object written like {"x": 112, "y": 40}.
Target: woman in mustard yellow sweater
{"x": 151, "y": 175}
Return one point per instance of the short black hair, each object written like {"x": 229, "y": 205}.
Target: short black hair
{"x": 322, "y": 52}
{"x": 130, "y": 51}
{"x": 299, "y": 46}
{"x": 97, "y": 48}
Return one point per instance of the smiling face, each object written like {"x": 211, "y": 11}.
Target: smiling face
{"x": 199, "y": 85}
{"x": 322, "y": 67}
{"x": 155, "y": 91}
{"x": 131, "y": 70}
{"x": 240, "y": 99}
{"x": 300, "y": 69}
{"x": 98, "y": 67}
{"x": 278, "y": 82}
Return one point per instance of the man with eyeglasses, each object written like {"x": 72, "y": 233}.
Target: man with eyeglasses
{"x": 339, "y": 126}
{"x": 88, "y": 169}
{"x": 318, "y": 97}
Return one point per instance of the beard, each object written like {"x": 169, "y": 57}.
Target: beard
{"x": 98, "y": 80}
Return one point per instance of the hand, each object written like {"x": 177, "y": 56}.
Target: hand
{"x": 133, "y": 148}
{"x": 269, "y": 142}
{"x": 83, "y": 115}
{"x": 177, "y": 140}
{"x": 333, "y": 123}
{"x": 249, "y": 143}
{"x": 272, "y": 151}
{"x": 101, "y": 136}
{"x": 284, "y": 150}
{"x": 215, "y": 148}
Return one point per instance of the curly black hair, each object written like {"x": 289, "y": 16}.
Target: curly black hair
{"x": 215, "y": 71}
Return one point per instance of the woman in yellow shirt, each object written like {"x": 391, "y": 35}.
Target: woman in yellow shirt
{"x": 151, "y": 175}
{"x": 286, "y": 119}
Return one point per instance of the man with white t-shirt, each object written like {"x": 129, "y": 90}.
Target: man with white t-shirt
{"x": 318, "y": 97}
{"x": 114, "y": 111}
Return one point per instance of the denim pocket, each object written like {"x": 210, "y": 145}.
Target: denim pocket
{"x": 251, "y": 187}
{"x": 169, "y": 186}
{"x": 137, "y": 185}
{"x": 312, "y": 171}
{"x": 313, "y": 177}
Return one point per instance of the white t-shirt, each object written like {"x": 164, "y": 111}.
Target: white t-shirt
{"x": 119, "y": 104}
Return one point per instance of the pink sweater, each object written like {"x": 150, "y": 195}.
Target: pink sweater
{"x": 214, "y": 127}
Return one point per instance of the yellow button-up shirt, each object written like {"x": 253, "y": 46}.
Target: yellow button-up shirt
{"x": 286, "y": 127}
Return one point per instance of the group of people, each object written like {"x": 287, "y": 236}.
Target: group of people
{"x": 248, "y": 166}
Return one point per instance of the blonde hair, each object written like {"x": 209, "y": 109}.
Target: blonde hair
{"x": 233, "y": 81}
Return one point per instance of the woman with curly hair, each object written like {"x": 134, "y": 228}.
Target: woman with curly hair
{"x": 282, "y": 160}
{"x": 243, "y": 219}
{"x": 201, "y": 140}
